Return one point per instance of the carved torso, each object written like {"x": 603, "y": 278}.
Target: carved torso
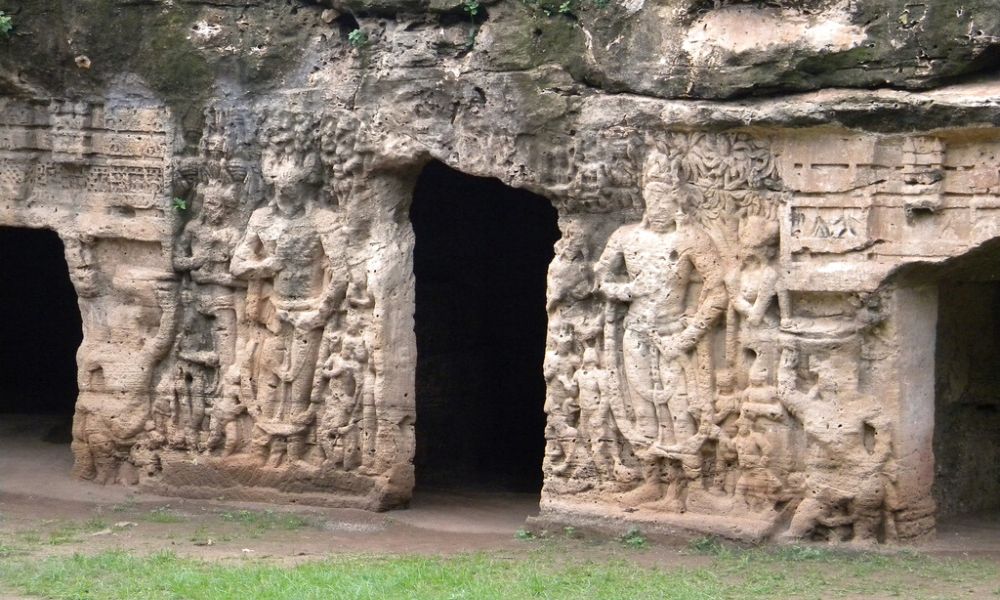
{"x": 660, "y": 269}
{"x": 215, "y": 245}
{"x": 296, "y": 249}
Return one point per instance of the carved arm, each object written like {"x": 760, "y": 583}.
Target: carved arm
{"x": 611, "y": 262}
{"x": 711, "y": 302}
{"x": 788, "y": 395}
{"x": 245, "y": 263}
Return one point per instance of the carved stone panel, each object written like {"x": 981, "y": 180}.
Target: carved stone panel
{"x": 737, "y": 343}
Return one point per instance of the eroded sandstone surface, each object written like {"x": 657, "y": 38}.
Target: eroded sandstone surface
{"x": 758, "y": 202}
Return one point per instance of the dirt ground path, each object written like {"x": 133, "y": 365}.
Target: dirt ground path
{"x": 38, "y": 494}
{"x": 42, "y": 503}
{"x": 44, "y": 508}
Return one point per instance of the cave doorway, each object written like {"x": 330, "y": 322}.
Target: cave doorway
{"x": 40, "y": 332}
{"x": 481, "y": 258}
{"x": 967, "y": 386}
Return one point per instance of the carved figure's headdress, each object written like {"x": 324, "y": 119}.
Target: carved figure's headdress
{"x": 658, "y": 167}
{"x": 662, "y": 166}
{"x": 293, "y": 136}
{"x": 229, "y": 133}
{"x": 291, "y": 132}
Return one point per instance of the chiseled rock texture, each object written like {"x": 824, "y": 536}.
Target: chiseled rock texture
{"x": 759, "y": 203}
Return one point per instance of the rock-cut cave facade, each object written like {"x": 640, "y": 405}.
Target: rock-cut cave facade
{"x": 745, "y": 304}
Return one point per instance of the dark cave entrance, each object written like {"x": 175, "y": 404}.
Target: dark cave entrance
{"x": 481, "y": 258}
{"x": 40, "y": 332}
{"x": 967, "y": 385}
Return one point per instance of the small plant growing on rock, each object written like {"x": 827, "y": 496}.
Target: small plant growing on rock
{"x": 6, "y": 23}
{"x": 565, "y": 7}
{"x": 179, "y": 204}
{"x": 358, "y": 38}
{"x": 471, "y": 7}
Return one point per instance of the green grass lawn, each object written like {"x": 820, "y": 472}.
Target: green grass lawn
{"x": 542, "y": 570}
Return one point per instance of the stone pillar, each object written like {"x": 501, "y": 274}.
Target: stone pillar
{"x": 913, "y": 328}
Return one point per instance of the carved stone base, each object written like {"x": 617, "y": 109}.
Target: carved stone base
{"x": 243, "y": 479}
{"x": 557, "y": 514}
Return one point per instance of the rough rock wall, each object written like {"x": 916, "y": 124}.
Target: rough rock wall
{"x": 731, "y": 347}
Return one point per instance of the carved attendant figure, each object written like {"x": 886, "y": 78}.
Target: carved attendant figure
{"x": 757, "y": 482}
{"x": 754, "y": 286}
{"x": 560, "y": 366}
{"x": 848, "y": 447}
{"x": 338, "y": 429}
{"x": 224, "y": 426}
{"x": 570, "y": 279}
{"x": 204, "y": 250}
{"x": 596, "y": 419}
{"x": 194, "y": 379}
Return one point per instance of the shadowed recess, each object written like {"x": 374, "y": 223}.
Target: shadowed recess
{"x": 41, "y": 328}
{"x": 967, "y": 388}
{"x": 481, "y": 258}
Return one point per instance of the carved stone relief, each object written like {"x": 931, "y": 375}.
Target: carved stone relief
{"x": 680, "y": 365}
{"x": 234, "y": 337}
{"x": 725, "y": 336}
{"x": 272, "y": 377}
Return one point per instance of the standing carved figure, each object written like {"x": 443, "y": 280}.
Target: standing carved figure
{"x": 194, "y": 377}
{"x": 338, "y": 430}
{"x": 650, "y": 269}
{"x": 561, "y": 364}
{"x": 753, "y": 286}
{"x": 757, "y": 301}
{"x": 204, "y": 250}
{"x": 561, "y": 403}
{"x": 292, "y": 255}
{"x": 596, "y": 418}
{"x": 219, "y": 185}
{"x": 223, "y": 424}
